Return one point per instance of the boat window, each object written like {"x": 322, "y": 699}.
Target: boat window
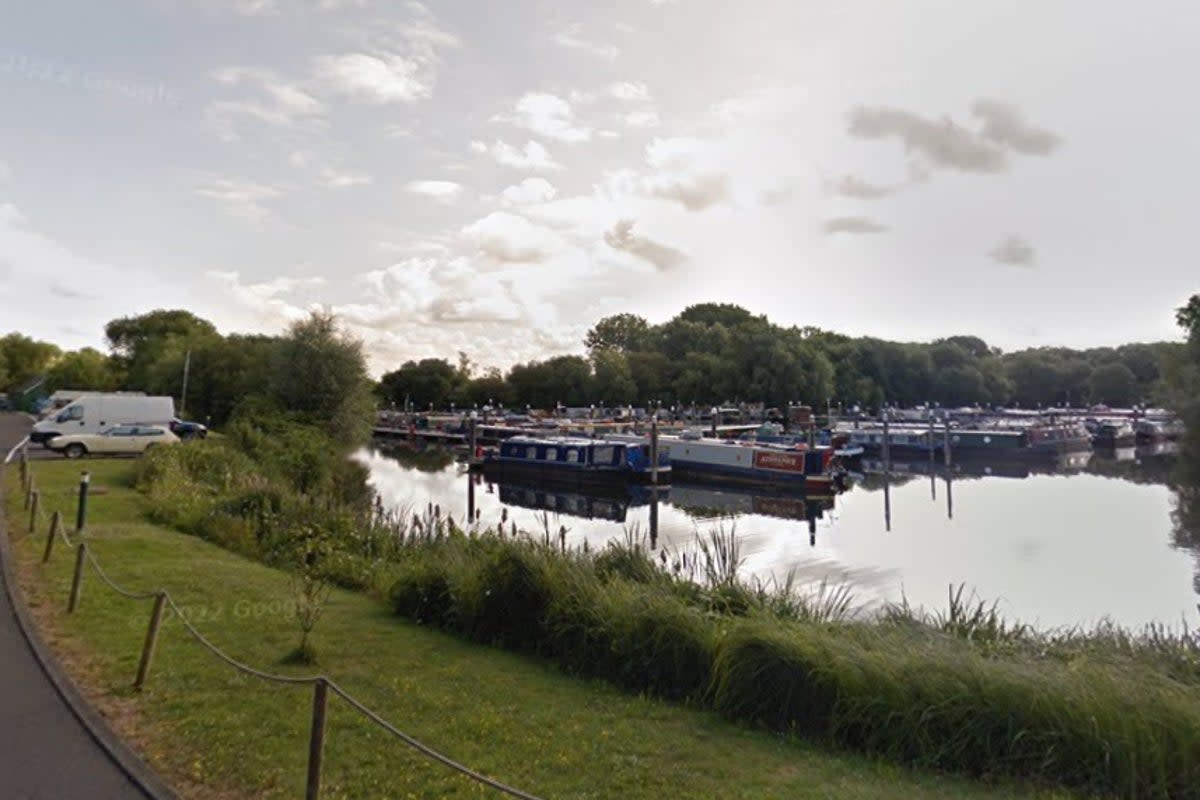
{"x": 552, "y": 454}
{"x": 573, "y": 456}
{"x": 603, "y": 455}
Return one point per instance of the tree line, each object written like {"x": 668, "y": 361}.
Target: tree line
{"x": 715, "y": 353}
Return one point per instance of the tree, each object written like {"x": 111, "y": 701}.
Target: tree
{"x": 141, "y": 344}
{"x": 1188, "y": 317}
{"x": 87, "y": 369}
{"x": 563, "y": 379}
{"x": 613, "y": 380}
{"x": 425, "y": 382}
{"x": 319, "y": 372}
{"x": 623, "y": 332}
{"x": 708, "y": 314}
{"x": 1114, "y": 384}
{"x": 26, "y": 358}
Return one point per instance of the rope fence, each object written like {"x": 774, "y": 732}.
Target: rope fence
{"x": 322, "y": 685}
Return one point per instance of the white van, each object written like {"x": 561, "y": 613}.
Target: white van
{"x": 94, "y": 413}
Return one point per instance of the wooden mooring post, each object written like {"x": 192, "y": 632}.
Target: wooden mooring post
{"x": 316, "y": 740}
{"x": 77, "y": 578}
{"x": 160, "y": 601}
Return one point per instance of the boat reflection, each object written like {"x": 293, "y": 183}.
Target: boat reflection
{"x": 611, "y": 505}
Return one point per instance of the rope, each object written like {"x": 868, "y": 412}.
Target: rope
{"x": 230, "y": 660}
{"x": 429, "y": 751}
{"x": 91, "y": 557}
{"x": 297, "y": 681}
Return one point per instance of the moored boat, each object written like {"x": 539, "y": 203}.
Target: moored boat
{"x": 816, "y": 471}
{"x": 568, "y": 461}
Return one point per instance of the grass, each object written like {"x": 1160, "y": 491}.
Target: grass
{"x": 215, "y": 733}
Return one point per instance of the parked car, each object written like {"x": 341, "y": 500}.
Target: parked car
{"x": 118, "y": 440}
{"x": 94, "y": 413}
{"x": 187, "y": 430}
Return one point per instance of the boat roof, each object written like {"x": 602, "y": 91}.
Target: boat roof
{"x": 558, "y": 441}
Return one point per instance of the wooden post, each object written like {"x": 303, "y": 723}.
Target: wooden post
{"x": 77, "y": 578}
{"x": 316, "y": 741}
{"x": 81, "y": 512}
{"x": 470, "y": 499}
{"x": 33, "y": 511}
{"x": 472, "y": 439}
{"x": 160, "y": 601}
{"x": 887, "y": 444}
{"x": 946, "y": 442}
{"x": 24, "y": 468}
{"x": 654, "y": 449}
{"x": 28, "y": 493}
{"x": 55, "y": 525}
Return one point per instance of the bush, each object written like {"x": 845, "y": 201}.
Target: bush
{"x": 422, "y": 593}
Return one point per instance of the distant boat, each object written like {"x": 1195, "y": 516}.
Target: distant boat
{"x": 568, "y": 461}
{"x": 814, "y": 471}
{"x": 1110, "y": 433}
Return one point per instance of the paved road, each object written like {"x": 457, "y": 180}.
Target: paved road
{"x": 45, "y": 752}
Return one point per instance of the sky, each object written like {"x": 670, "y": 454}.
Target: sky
{"x": 493, "y": 177}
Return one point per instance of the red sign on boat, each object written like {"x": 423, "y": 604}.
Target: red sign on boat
{"x": 786, "y": 462}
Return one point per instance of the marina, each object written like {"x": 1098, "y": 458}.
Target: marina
{"x": 1055, "y": 542}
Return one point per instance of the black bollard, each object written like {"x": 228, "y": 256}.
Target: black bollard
{"x": 81, "y": 513}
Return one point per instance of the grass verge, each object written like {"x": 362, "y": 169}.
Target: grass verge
{"x": 216, "y": 733}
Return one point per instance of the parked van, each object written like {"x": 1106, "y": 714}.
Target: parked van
{"x": 94, "y": 413}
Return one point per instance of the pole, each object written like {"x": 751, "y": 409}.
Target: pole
{"x": 81, "y": 511}
{"x": 316, "y": 741}
{"x": 187, "y": 366}
{"x": 654, "y": 449}
{"x": 160, "y": 601}
{"x": 887, "y": 444}
{"x": 33, "y": 511}
{"x": 946, "y": 442}
{"x": 77, "y": 578}
{"x": 715, "y": 413}
{"x": 473, "y": 438}
{"x": 55, "y": 524}
{"x": 29, "y": 490}
{"x": 470, "y": 498}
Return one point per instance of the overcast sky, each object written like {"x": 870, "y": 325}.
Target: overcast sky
{"x": 493, "y": 176}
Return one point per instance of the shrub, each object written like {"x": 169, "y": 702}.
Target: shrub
{"x": 422, "y": 593}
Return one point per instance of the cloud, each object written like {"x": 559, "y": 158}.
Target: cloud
{"x": 377, "y": 78}
{"x": 68, "y": 293}
{"x": 507, "y": 237}
{"x": 529, "y": 191}
{"x": 943, "y": 143}
{"x": 687, "y": 172}
{"x": 1005, "y": 125}
{"x": 642, "y": 119}
{"x": 854, "y": 225}
{"x": 1015, "y": 251}
{"x": 550, "y": 116}
{"x": 569, "y": 37}
{"x": 854, "y": 186}
{"x": 274, "y": 101}
{"x": 341, "y": 179}
{"x": 663, "y": 257}
{"x": 395, "y": 65}
{"x": 533, "y": 156}
{"x": 266, "y": 299}
{"x": 241, "y": 198}
{"x": 695, "y": 193}
{"x": 441, "y": 191}
{"x": 630, "y": 91}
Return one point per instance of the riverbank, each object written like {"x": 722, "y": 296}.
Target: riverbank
{"x": 217, "y": 734}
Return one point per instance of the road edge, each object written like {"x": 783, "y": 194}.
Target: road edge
{"x": 129, "y": 762}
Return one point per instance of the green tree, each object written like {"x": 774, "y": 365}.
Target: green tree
{"x": 563, "y": 379}
{"x": 1114, "y": 384}
{"x": 1188, "y": 317}
{"x": 141, "y": 344}
{"x": 87, "y": 369}
{"x": 430, "y": 381}
{"x": 613, "y": 381}
{"x": 319, "y": 372}
{"x": 26, "y": 358}
{"x": 619, "y": 332}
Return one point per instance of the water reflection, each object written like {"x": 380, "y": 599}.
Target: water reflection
{"x": 1067, "y": 542}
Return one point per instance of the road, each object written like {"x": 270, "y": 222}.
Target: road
{"x": 46, "y": 753}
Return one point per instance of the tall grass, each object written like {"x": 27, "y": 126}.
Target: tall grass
{"x": 962, "y": 689}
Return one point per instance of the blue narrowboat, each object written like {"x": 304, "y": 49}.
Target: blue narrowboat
{"x": 568, "y": 461}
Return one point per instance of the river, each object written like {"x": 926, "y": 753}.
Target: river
{"x": 1097, "y": 537}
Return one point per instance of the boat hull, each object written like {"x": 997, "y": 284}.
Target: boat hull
{"x": 559, "y": 475}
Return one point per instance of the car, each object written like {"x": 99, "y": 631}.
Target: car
{"x": 187, "y": 430}
{"x": 117, "y": 440}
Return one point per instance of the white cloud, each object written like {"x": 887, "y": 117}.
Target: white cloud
{"x": 642, "y": 119}
{"x": 853, "y": 225}
{"x": 265, "y": 300}
{"x": 533, "y": 156}
{"x": 441, "y": 191}
{"x": 273, "y": 101}
{"x": 630, "y": 91}
{"x": 382, "y": 78}
{"x": 241, "y": 198}
{"x": 342, "y": 179}
{"x": 1014, "y": 251}
{"x": 528, "y": 191}
{"x": 549, "y": 115}
{"x": 622, "y": 237}
{"x": 569, "y": 37}
{"x": 510, "y": 238}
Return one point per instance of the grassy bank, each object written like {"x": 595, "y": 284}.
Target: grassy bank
{"x": 219, "y": 734}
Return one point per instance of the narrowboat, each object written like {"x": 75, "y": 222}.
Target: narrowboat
{"x": 814, "y": 471}
{"x": 568, "y": 461}
{"x": 1114, "y": 433}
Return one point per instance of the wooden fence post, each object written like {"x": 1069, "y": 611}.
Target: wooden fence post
{"x": 33, "y": 511}
{"x": 29, "y": 492}
{"x": 81, "y": 510}
{"x": 316, "y": 742}
{"x": 160, "y": 601}
{"x": 77, "y": 578}
{"x": 55, "y": 524}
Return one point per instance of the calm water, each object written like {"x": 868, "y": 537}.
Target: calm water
{"x": 1073, "y": 543}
